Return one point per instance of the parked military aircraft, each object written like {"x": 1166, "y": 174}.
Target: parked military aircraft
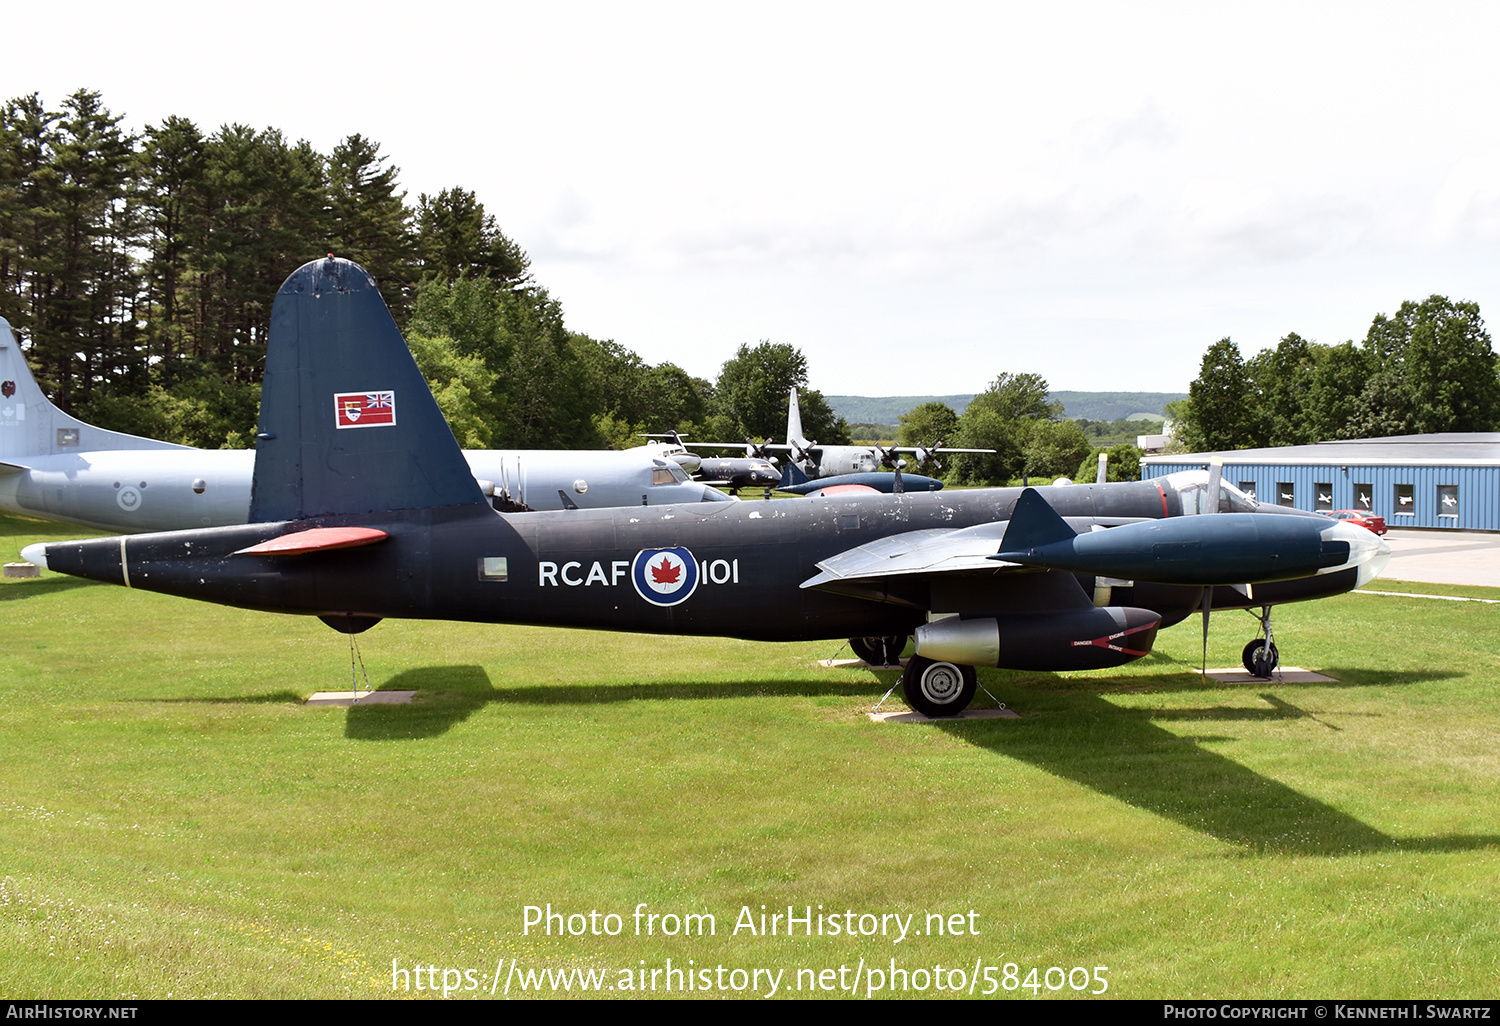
{"x": 387, "y": 521}
{"x": 733, "y": 473}
{"x": 817, "y": 461}
{"x": 798, "y": 483}
{"x": 57, "y": 467}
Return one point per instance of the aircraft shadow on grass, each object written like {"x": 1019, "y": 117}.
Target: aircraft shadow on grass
{"x": 1115, "y": 751}
{"x": 448, "y": 695}
{"x": 50, "y": 585}
{"x": 263, "y": 698}
{"x": 1122, "y": 753}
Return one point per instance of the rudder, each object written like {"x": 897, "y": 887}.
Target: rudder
{"x": 347, "y": 422}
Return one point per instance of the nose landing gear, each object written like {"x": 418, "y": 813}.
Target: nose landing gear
{"x": 1260, "y": 656}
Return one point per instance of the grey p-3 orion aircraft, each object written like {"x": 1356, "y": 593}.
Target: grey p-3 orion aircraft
{"x": 355, "y": 522}
{"x": 57, "y": 467}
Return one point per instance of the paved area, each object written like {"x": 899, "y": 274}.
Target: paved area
{"x": 1283, "y": 675}
{"x": 1444, "y": 557}
{"x": 907, "y": 716}
{"x": 361, "y": 698}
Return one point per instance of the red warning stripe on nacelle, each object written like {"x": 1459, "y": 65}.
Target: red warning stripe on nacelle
{"x": 317, "y": 539}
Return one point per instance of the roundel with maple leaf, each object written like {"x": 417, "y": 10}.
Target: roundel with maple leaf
{"x": 664, "y": 577}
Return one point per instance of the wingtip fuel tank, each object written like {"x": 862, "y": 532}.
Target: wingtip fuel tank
{"x": 1225, "y": 548}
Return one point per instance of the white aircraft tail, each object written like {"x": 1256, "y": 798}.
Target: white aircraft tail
{"x": 794, "y": 423}
{"x": 31, "y": 426}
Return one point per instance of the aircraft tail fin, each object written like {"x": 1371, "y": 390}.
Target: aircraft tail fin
{"x": 791, "y": 475}
{"x": 31, "y": 426}
{"x": 794, "y": 434}
{"x": 347, "y": 423}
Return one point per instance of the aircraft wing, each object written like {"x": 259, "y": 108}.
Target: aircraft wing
{"x": 7, "y": 467}
{"x": 934, "y": 551}
{"x": 781, "y": 446}
{"x": 941, "y": 448}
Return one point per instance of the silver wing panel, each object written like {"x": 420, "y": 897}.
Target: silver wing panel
{"x": 936, "y": 551}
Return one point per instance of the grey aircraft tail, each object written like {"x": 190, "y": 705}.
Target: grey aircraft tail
{"x": 347, "y": 423}
{"x": 31, "y": 426}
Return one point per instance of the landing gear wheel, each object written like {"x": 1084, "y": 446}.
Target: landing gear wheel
{"x": 1261, "y": 658}
{"x": 879, "y": 651}
{"x": 938, "y": 689}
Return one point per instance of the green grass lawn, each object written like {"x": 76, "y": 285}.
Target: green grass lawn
{"x": 174, "y": 822}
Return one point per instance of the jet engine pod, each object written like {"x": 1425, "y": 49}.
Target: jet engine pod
{"x": 967, "y": 642}
{"x": 1075, "y": 639}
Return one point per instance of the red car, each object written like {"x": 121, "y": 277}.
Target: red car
{"x": 1369, "y": 521}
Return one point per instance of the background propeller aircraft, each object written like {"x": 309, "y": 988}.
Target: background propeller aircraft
{"x": 387, "y": 521}
{"x": 819, "y": 461}
{"x": 816, "y": 470}
{"x": 57, "y": 467}
{"x": 733, "y": 473}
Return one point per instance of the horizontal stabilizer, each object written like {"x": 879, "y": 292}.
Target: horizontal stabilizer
{"x": 319, "y": 539}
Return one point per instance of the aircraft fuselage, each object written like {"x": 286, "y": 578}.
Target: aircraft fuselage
{"x": 139, "y": 490}
{"x": 728, "y": 569}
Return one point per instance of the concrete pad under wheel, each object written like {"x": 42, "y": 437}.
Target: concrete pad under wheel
{"x": 1284, "y": 675}
{"x": 361, "y": 698}
{"x": 968, "y": 714}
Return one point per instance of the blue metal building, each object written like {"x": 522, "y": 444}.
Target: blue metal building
{"x": 1440, "y": 480}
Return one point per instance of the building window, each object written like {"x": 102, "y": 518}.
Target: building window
{"x": 1406, "y": 500}
{"x": 1248, "y": 487}
{"x": 1364, "y": 496}
{"x": 1285, "y": 494}
{"x": 1448, "y": 501}
{"x": 1323, "y": 495}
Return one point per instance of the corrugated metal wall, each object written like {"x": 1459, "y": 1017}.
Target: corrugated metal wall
{"x": 1478, "y": 506}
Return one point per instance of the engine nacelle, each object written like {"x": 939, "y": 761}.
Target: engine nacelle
{"x": 1078, "y": 639}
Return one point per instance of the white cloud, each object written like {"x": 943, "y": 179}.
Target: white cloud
{"x": 931, "y": 195}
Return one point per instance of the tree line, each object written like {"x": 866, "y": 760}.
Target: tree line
{"x": 139, "y": 270}
{"x": 1430, "y": 367}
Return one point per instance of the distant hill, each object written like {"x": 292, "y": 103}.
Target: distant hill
{"x": 861, "y": 409}
{"x": 1114, "y": 405}
{"x": 1078, "y": 405}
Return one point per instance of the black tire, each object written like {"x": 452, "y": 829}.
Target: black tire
{"x": 1260, "y": 659}
{"x": 938, "y": 689}
{"x": 878, "y": 651}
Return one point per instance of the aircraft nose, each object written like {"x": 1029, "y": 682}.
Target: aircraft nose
{"x": 1367, "y": 551}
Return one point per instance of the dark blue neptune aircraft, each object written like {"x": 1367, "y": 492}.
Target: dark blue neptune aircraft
{"x": 357, "y": 519}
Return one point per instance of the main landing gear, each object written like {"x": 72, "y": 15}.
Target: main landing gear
{"x": 879, "y": 651}
{"x": 932, "y": 687}
{"x": 936, "y": 688}
{"x": 1260, "y": 656}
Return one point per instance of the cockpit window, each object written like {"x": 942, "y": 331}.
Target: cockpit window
{"x": 1191, "y": 487}
{"x": 665, "y": 472}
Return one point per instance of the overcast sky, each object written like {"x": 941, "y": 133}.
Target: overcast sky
{"x": 918, "y": 196}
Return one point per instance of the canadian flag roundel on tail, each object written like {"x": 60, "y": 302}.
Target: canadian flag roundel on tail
{"x": 664, "y": 577}
{"x": 364, "y": 409}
